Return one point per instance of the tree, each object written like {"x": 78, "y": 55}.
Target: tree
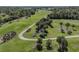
{"x": 13, "y": 13}
{"x": 62, "y": 44}
{"x": 67, "y": 28}
{"x": 49, "y": 44}
{"x": 42, "y": 25}
{"x": 61, "y": 27}
{"x": 39, "y": 44}
{"x": 69, "y": 32}
{"x": 67, "y": 25}
{"x": 73, "y": 27}
{"x": 8, "y": 36}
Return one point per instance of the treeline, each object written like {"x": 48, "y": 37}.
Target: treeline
{"x": 64, "y": 13}
{"x": 15, "y": 13}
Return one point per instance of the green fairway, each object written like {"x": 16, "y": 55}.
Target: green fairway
{"x": 16, "y": 44}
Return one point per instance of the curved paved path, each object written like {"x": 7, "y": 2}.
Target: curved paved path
{"x": 23, "y": 38}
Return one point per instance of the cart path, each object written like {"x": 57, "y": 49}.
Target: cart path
{"x": 24, "y": 38}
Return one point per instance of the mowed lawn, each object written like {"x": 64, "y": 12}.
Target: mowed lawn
{"x": 17, "y": 44}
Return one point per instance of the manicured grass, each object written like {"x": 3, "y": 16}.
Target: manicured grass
{"x": 16, "y": 44}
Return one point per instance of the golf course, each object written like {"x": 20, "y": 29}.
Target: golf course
{"x": 39, "y": 23}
